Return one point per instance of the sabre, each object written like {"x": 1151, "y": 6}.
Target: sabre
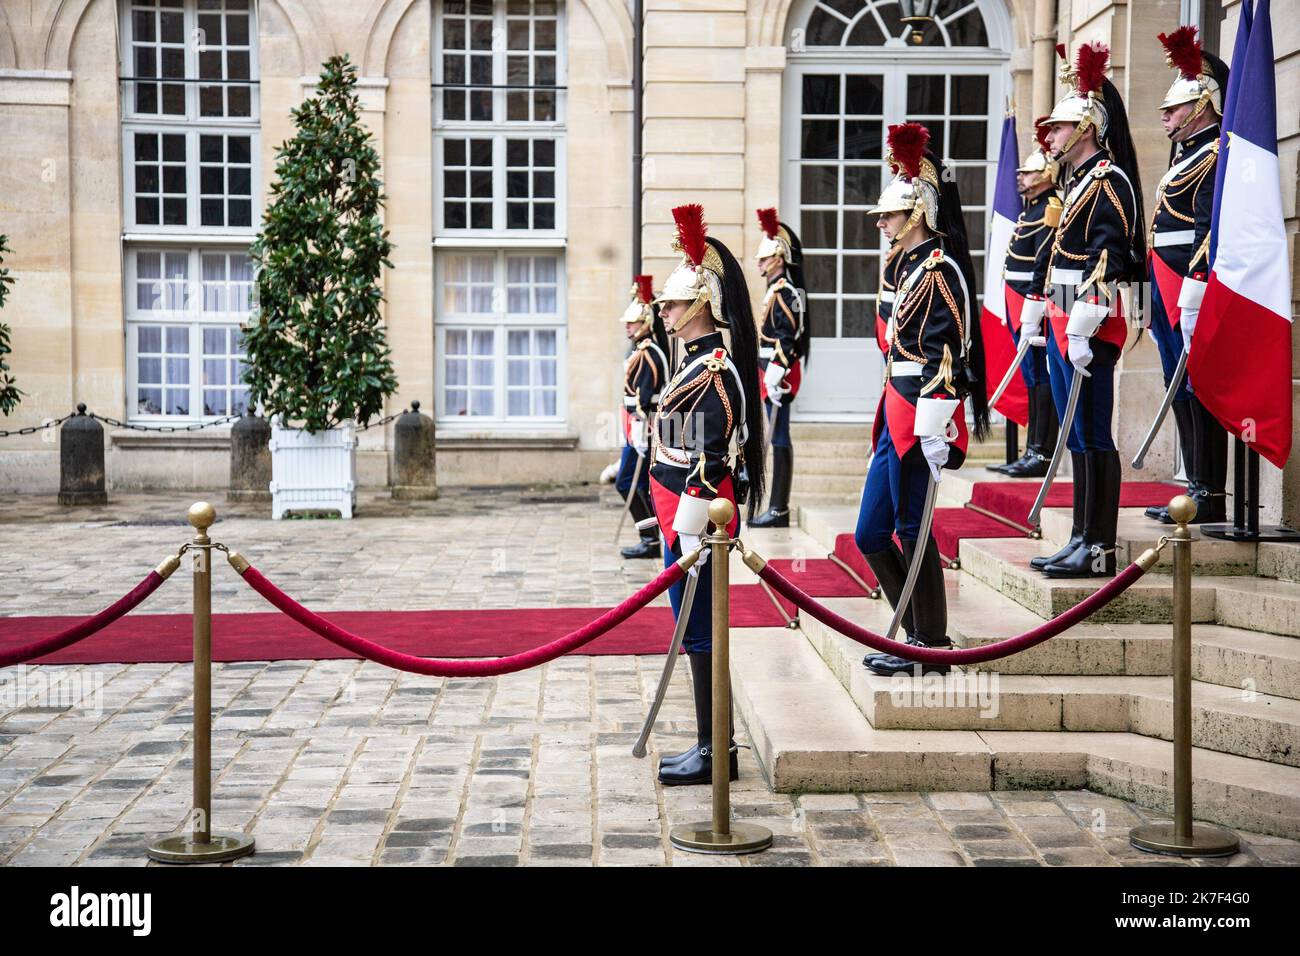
{"x": 927, "y": 514}
{"x": 1175, "y": 383}
{"x": 627, "y": 502}
{"x": 679, "y": 633}
{"x": 1067, "y": 422}
{"x": 1022, "y": 349}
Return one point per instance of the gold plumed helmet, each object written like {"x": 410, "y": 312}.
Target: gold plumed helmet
{"x": 915, "y": 186}
{"x": 1196, "y": 81}
{"x": 776, "y": 240}
{"x": 698, "y": 277}
{"x": 1083, "y": 105}
{"x": 638, "y": 310}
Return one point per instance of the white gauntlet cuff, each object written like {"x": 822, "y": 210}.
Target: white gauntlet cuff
{"x": 1189, "y": 297}
{"x": 1086, "y": 317}
{"x": 692, "y": 514}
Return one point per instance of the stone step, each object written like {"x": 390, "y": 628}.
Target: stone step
{"x": 1224, "y": 719}
{"x": 1003, "y": 564}
{"x": 857, "y": 452}
{"x": 843, "y": 486}
{"x": 810, "y": 737}
{"x": 820, "y": 462}
{"x": 1281, "y": 561}
{"x": 1232, "y": 657}
{"x": 1135, "y": 532}
{"x": 858, "y": 432}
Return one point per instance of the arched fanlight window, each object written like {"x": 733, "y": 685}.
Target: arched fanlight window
{"x": 870, "y": 23}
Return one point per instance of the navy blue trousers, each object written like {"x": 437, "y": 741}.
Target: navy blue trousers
{"x": 699, "y": 626}
{"x": 893, "y": 496}
{"x": 626, "y": 468}
{"x": 781, "y": 429}
{"x": 1169, "y": 342}
{"x": 1090, "y": 430}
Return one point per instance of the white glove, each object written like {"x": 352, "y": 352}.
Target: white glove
{"x": 1080, "y": 352}
{"x": 1031, "y": 317}
{"x": 935, "y": 450}
{"x": 609, "y": 474}
{"x": 1187, "y": 322}
{"x": 775, "y": 397}
{"x": 688, "y": 543}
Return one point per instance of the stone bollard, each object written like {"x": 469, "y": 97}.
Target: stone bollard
{"x": 81, "y": 461}
{"x": 414, "y": 475}
{"x": 250, "y": 459}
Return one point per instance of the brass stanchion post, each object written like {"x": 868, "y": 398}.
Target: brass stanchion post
{"x": 201, "y": 845}
{"x": 721, "y": 835}
{"x": 1182, "y": 837}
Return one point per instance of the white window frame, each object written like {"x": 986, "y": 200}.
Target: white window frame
{"x": 192, "y": 126}
{"x": 501, "y": 322}
{"x": 126, "y": 66}
{"x": 498, "y": 131}
{"x": 192, "y": 316}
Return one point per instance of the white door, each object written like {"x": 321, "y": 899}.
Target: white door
{"x": 851, "y": 74}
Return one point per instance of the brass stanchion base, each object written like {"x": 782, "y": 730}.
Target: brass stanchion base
{"x": 181, "y": 848}
{"x": 1206, "y": 840}
{"x": 700, "y": 838}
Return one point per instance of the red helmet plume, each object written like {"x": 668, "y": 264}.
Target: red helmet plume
{"x": 907, "y": 142}
{"x": 1040, "y": 131}
{"x": 768, "y": 222}
{"x": 1183, "y": 50}
{"x": 691, "y": 230}
{"x": 645, "y": 288}
{"x": 1090, "y": 65}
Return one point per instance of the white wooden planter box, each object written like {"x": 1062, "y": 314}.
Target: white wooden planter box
{"x": 313, "y": 471}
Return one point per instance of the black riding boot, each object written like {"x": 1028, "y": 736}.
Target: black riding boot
{"x": 1210, "y": 466}
{"x": 1042, "y": 436}
{"x": 777, "y": 514}
{"x": 1095, "y": 558}
{"x": 1079, "y": 465}
{"x": 648, "y": 546}
{"x": 928, "y": 610}
{"x": 1185, "y": 424}
{"x": 697, "y": 766}
{"x": 891, "y": 572}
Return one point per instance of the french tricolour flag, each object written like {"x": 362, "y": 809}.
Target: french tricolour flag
{"x": 1240, "y": 361}
{"x": 996, "y": 322}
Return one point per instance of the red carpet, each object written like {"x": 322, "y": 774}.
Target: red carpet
{"x": 953, "y": 524}
{"x": 270, "y": 636}
{"x": 846, "y": 549}
{"x": 820, "y": 577}
{"x": 1013, "y": 499}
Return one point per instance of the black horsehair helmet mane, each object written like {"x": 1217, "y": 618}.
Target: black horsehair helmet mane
{"x": 794, "y": 272}
{"x": 739, "y": 318}
{"x": 953, "y": 238}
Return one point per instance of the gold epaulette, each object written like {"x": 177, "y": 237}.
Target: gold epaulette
{"x": 1052, "y": 214}
{"x": 643, "y": 344}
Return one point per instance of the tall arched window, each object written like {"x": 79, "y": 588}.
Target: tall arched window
{"x": 190, "y": 169}
{"x": 852, "y": 71}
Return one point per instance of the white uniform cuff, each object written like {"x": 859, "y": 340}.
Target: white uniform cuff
{"x": 692, "y": 514}
{"x": 1189, "y": 297}
{"x": 775, "y": 372}
{"x": 1033, "y": 311}
{"x": 932, "y": 417}
{"x": 1086, "y": 317}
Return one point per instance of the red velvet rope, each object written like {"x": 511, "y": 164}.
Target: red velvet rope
{"x": 82, "y": 630}
{"x": 965, "y": 655}
{"x": 434, "y": 667}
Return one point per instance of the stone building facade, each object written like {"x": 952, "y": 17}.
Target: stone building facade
{"x": 505, "y": 129}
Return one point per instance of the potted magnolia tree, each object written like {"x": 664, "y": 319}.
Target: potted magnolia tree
{"x": 318, "y": 361}
{"x": 10, "y": 395}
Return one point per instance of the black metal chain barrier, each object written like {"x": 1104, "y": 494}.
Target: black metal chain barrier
{"x": 33, "y": 429}
{"x": 135, "y": 426}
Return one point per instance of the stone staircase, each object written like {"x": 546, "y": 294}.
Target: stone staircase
{"x": 831, "y": 461}
{"x": 1088, "y": 709}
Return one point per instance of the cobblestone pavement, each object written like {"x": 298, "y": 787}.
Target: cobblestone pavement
{"x": 348, "y": 763}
